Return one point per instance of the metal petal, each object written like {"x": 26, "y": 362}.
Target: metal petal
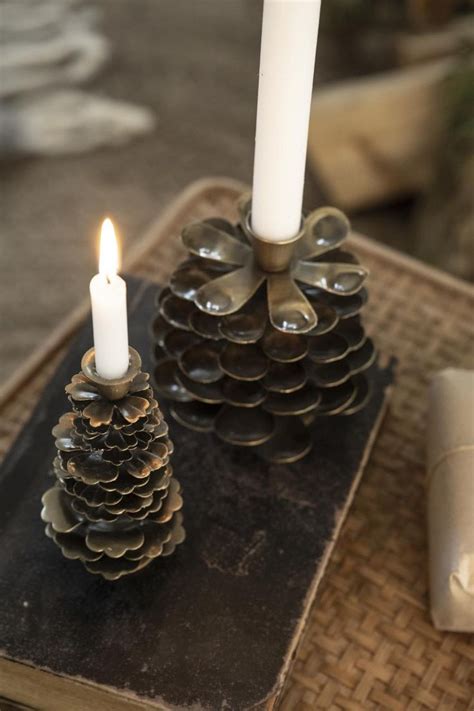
{"x": 143, "y": 462}
{"x": 59, "y": 469}
{"x": 335, "y": 278}
{"x": 176, "y": 311}
{"x": 340, "y": 256}
{"x": 147, "y": 511}
{"x": 116, "y": 457}
{"x": 227, "y": 294}
{"x": 284, "y": 347}
{"x": 197, "y": 416}
{"x": 155, "y": 537}
{"x": 221, "y": 224}
{"x": 82, "y": 390}
{"x": 67, "y": 439}
{"x": 336, "y": 400}
{"x": 290, "y": 311}
{"x": 178, "y": 535}
{"x": 83, "y": 427}
{"x": 247, "y": 428}
{"x": 243, "y": 393}
{"x": 349, "y": 306}
{"x": 160, "y": 328}
{"x": 205, "y": 325}
{"x": 99, "y": 413}
{"x": 362, "y": 358}
{"x": 115, "y": 568}
{"x": 201, "y": 362}
{"x": 204, "y": 392}
{"x": 299, "y": 402}
{"x": 160, "y": 429}
{"x": 327, "y": 348}
{"x": 124, "y": 484}
{"x": 363, "y": 394}
{"x": 205, "y": 240}
{"x": 96, "y": 514}
{"x": 325, "y": 229}
{"x": 352, "y": 331}
{"x": 93, "y": 495}
{"x": 167, "y": 381}
{"x": 246, "y": 325}
{"x": 117, "y": 439}
{"x": 73, "y": 545}
{"x": 290, "y": 442}
{"x": 115, "y": 543}
{"x": 172, "y": 503}
{"x": 158, "y": 353}
{"x": 57, "y": 510}
{"x": 91, "y": 468}
{"x": 243, "y": 362}
{"x": 140, "y": 383}
{"x": 133, "y": 407}
{"x": 157, "y": 481}
{"x": 285, "y": 377}
{"x": 327, "y": 319}
{"x": 331, "y": 374}
{"x": 177, "y": 341}
{"x": 132, "y": 503}
{"x": 186, "y": 280}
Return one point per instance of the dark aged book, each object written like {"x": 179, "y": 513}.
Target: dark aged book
{"x": 213, "y": 627}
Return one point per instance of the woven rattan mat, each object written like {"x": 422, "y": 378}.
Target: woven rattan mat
{"x": 369, "y": 642}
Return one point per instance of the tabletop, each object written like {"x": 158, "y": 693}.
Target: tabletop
{"x": 369, "y": 642}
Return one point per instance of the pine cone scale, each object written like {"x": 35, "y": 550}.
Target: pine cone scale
{"x": 295, "y": 336}
{"x": 115, "y": 505}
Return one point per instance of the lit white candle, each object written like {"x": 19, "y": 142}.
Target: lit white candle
{"x": 287, "y": 54}
{"x": 109, "y": 310}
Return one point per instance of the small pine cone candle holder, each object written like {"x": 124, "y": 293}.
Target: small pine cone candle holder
{"x": 115, "y": 505}
{"x": 254, "y": 339}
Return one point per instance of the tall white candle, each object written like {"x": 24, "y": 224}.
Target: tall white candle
{"x": 109, "y": 310}
{"x": 288, "y": 50}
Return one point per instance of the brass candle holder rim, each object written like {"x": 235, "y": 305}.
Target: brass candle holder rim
{"x": 115, "y": 388}
{"x": 247, "y": 224}
{"x": 272, "y": 255}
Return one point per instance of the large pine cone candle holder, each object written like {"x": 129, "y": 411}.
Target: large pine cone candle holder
{"x": 254, "y": 339}
{"x": 115, "y": 505}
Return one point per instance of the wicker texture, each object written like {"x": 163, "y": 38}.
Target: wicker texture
{"x": 369, "y": 642}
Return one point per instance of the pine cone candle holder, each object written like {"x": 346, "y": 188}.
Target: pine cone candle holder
{"x": 115, "y": 505}
{"x": 254, "y": 339}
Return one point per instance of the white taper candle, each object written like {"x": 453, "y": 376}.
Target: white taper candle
{"x": 109, "y": 310}
{"x": 288, "y": 50}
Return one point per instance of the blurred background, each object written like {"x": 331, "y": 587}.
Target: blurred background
{"x": 111, "y": 107}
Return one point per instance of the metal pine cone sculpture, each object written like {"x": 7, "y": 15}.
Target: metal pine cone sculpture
{"x": 115, "y": 505}
{"x": 255, "y": 352}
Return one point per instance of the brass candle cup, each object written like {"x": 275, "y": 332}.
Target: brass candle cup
{"x": 270, "y": 255}
{"x": 115, "y": 388}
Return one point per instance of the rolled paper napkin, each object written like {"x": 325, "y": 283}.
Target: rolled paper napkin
{"x": 451, "y": 500}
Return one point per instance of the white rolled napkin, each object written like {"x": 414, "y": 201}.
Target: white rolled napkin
{"x": 451, "y": 500}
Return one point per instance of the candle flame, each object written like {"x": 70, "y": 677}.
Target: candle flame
{"x": 109, "y": 254}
